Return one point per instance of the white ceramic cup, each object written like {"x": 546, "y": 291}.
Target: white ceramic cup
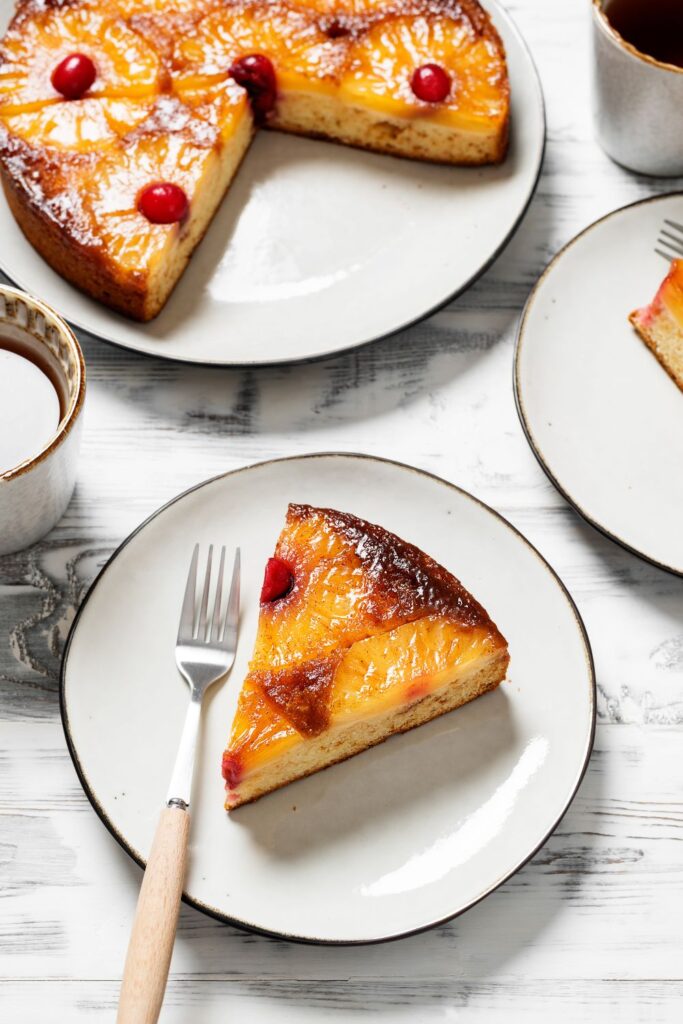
{"x": 34, "y": 494}
{"x": 639, "y": 103}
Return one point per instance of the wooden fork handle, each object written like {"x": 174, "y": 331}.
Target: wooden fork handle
{"x": 151, "y": 941}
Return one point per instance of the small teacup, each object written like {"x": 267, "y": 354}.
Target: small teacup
{"x": 35, "y": 493}
{"x": 639, "y": 103}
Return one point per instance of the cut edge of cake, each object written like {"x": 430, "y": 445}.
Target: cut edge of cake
{"x": 341, "y": 742}
{"x": 335, "y": 120}
{"x": 661, "y": 329}
{"x": 140, "y": 295}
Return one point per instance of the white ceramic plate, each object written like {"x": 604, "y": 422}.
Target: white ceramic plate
{"x": 318, "y": 248}
{"x": 603, "y": 418}
{"x": 393, "y": 840}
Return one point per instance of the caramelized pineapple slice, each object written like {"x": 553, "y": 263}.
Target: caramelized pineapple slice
{"x": 218, "y": 100}
{"x": 382, "y": 60}
{"x": 291, "y": 38}
{"x": 80, "y": 125}
{"x": 403, "y": 666}
{"x": 162, "y": 24}
{"x": 38, "y": 40}
{"x": 332, "y": 594}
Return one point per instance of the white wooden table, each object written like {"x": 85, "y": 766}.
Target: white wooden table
{"x": 592, "y": 929}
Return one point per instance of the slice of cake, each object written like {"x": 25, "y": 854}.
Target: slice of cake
{"x": 660, "y": 324}
{"x": 360, "y": 636}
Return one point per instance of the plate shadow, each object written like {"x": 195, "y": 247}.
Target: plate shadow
{"x": 375, "y": 787}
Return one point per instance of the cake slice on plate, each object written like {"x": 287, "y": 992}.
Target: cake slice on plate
{"x": 660, "y": 324}
{"x": 361, "y": 635}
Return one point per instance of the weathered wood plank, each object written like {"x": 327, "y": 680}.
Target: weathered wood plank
{"x": 288, "y": 1002}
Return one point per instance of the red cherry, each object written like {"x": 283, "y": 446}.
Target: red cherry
{"x": 73, "y": 76}
{"x": 277, "y": 581}
{"x": 163, "y": 203}
{"x": 257, "y": 75}
{"x": 231, "y": 767}
{"x": 431, "y": 83}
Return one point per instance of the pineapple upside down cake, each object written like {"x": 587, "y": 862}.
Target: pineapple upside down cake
{"x": 122, "y": 122}
{"x": 360, "y": 635}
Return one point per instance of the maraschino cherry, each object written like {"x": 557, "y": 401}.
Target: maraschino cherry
{"x": 256, "y": 74}
{"x": 277, "y": 581}
{"x": 431, "y": 83}
{"x": 163, "y": 203}
{"x": 73, "y": 76}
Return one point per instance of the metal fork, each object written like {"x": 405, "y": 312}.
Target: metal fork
{"x": 670, "y": 240}
{"x": 205, "y": 652}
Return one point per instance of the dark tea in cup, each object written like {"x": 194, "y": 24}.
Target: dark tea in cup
{"x": 653, "y": 27}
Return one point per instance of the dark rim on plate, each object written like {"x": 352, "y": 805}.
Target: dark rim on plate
{"x": 246, "y": 925}
{"x": 294, "y": 360}
{"x": 517, "y": 386}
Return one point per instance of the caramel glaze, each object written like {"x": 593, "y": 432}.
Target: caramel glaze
{"x": 406, "y": 583}
{"x": 302, "y": 693}
{"x": 400, "y": 584}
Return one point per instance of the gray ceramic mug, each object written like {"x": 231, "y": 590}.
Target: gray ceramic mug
{"x": 639, "y": 103}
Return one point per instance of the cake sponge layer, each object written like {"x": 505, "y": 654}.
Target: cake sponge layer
{"x": 663, "y": 335}
{"x": 343, "y": 741}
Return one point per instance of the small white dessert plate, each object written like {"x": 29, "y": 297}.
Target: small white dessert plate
{"x": 319, "y": 248}
{"x": 395, "y": 839}
{"x": 602, "y": 416}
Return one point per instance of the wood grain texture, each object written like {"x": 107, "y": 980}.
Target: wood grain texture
{"x": 590, "y": 930}
{"x": 156, "y": 917}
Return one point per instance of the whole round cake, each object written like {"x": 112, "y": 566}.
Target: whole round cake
{"x": 123, "y": 122}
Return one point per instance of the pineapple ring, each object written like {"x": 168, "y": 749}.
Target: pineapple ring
{"x": 382, "y": 61}
{"x": 127, "y": 66}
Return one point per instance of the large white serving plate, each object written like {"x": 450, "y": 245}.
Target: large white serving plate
{"x": 602, "y": 416}
{"x": 318, "y": 248}
{"x": 396, "y": 839}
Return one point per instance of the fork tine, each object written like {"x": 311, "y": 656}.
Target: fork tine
{"x": 216, "y": 618}
{"x": 204, "y": 609}
{"x": 186, "y": 624}
{"x": 667, "y": 255}
{"x": 233, "y": 612}
{"x": 674, "y": 224}
{"x": 671, "y": 242}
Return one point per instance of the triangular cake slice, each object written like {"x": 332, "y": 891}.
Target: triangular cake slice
{"x": 660, "y": 324}
{"x": 361, "y": 635}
